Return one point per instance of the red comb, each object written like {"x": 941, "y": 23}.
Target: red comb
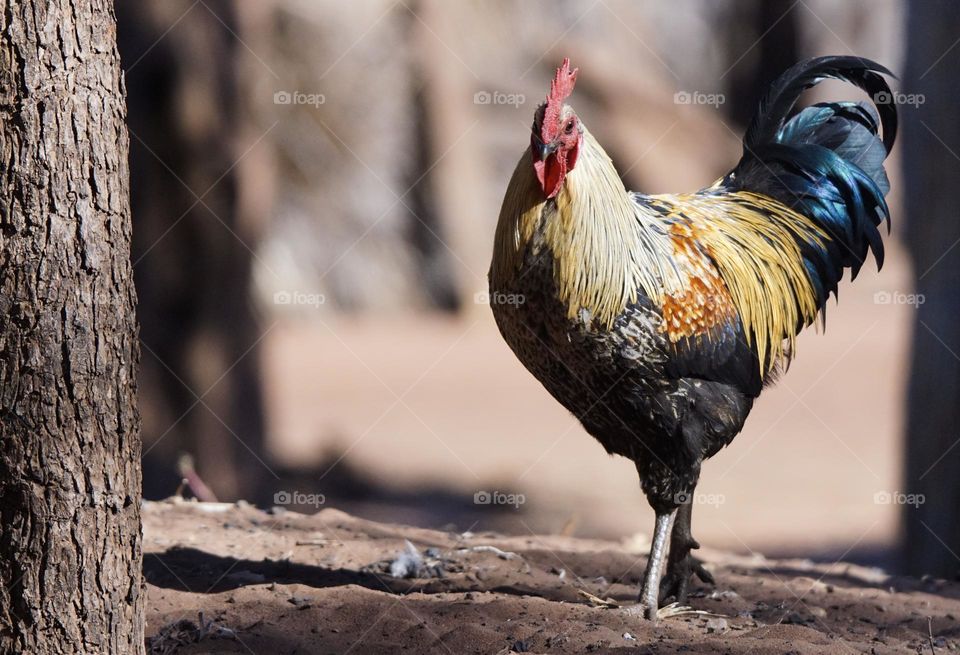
{"x": 560, "y": 88}
{"x": 563, "y": 81}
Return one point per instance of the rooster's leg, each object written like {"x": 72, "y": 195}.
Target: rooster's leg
{"x": 681, "y": 564}
{"x": 658, "y": 553}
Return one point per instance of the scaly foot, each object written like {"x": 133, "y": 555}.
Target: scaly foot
{"x": 676, "y": 582}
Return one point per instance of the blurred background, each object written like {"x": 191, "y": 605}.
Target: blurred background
{"x": 315, "y": 189}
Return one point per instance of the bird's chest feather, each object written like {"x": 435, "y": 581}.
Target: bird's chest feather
{"x": 582, "y": 362}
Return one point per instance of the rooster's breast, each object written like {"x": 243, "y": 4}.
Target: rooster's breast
{"x": 609, "y": 377}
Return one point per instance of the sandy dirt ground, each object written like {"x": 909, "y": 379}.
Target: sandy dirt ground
{"x": 225, "y": 578}
{"x": 426, "y": 411}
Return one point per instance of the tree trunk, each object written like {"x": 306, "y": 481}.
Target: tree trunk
{"x": 931, "y": 141}
{"x": 193, "y": 247}
{"x": 70, "y": 547}
{"x": 762, "y": 41}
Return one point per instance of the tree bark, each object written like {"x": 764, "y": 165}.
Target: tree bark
{"x": 931, "y": 170}
{"x": 70, "y": 546}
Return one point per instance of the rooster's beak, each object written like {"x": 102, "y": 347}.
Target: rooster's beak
{"x": 547, "y": 149}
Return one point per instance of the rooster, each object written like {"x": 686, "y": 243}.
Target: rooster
{"x": 657, "y": 320}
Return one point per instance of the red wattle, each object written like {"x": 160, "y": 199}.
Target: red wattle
{"x": 550, "y": 174}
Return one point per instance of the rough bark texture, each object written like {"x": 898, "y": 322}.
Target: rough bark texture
{"x": 70, "y": 546}
{"x": 931, "y": 139}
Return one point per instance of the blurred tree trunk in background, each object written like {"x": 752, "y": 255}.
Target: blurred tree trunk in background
{"x": 70, "y": 550}
{"x": 931, "y": 143}
{"x": 192, "y": 247}
{"x": 443, "y": 208}
{"x": 346, "y": 166}
{"x": 762, "y": 39}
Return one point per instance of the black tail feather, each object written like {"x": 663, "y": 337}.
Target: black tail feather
{"x": 826, "y": 162}
{"x": 785, "y": 91}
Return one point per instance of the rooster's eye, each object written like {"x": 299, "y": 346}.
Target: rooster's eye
{"x": 569, "y": 128}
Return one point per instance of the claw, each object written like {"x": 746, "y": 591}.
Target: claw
{"x": 676, "y": 582}
{"x": 704, "y": 575}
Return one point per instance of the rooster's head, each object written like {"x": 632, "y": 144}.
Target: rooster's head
{"x": 557, "y": 133}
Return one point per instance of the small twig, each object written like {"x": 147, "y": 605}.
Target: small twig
{"x": 570, "y": 526}
{"x": 676, "y": 609}
{"x": 196, "y": 484}
{"x": 502, "y": 554}
{"x": 930, "y": 634}
{"x": 596, "y": 601}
